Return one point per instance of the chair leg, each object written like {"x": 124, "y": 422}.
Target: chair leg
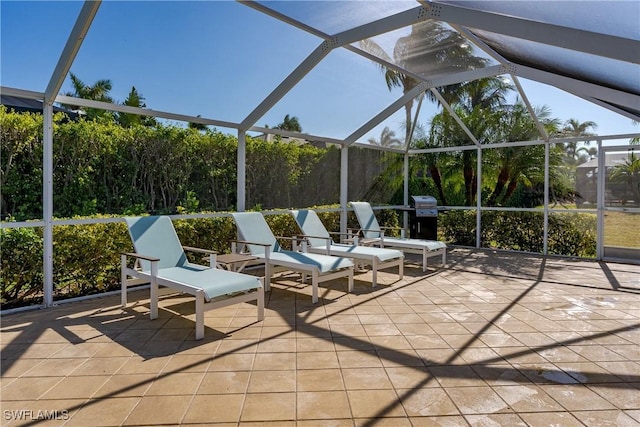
{"x": 401, "y": 269}
{"x": 314, "y": 287}
{"x": 123, "y": 280}
{"x": 424, "y": 260}
{"x": 267, "y": 276}
{"x": 374, "y": 272}
{"x": 350, "y": 285}
{"x": 199, "y": 315}
{"x": 261, "y": 302}
{"x": 153, "y": 298}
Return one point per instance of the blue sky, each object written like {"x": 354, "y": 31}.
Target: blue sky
{"x": 220, "y": 62}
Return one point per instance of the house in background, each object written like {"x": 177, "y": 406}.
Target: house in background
{"x": 616, "y": 193}
{"x": 22, "y": 105}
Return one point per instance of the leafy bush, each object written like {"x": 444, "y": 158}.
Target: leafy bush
{"x": 571, "y": 234}
{"x": 86, "y": 258}
{"x": 21, "y": 266}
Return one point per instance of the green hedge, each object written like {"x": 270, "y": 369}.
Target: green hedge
{"x": 87, "y": 257}
{"x": 570, "y": 234}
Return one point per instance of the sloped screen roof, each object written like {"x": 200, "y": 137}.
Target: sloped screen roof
{"x": 590, "y": 49}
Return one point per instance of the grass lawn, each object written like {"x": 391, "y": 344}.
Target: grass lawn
{"x": 622, "y": 229}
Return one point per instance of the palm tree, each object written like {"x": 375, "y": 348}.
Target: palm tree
{"x": 575, "y": 128}
{"x": 628, "y": 173}
{"x": 135, "y": 99}
{"x": 99, "y": 91}
{"x": 479, "y": 104}
{"x": 518, "y": 164}
{"x": 387, "y": 138}
{"x": 429, "y": 49}
{"x": 290, "y": 123}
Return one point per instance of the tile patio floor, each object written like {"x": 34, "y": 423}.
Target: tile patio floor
{"x": 493, "y": 339}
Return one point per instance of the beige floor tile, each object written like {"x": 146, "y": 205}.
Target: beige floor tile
{"x": 405, "y": 357}
{"x": 500, "y": 374}
{"x": 563, "y": 419}
{"x": 627, "y": 370}
{"x": 456, "y": 376}
{"x": 353, "y": 343}
{"x": 359, "y": 359}
{"x": 274, "y": 361}
{"x": 272, "y": 381}
{"x": 179, "y": 383}
{"x": 322, "y": 405}
{"x": 81, "y": 350}
{"x": 477, "y": 400}
{"x": 155, "y": 410}
{"x": 527, "y": 398}
{"x": 428, "y": 341}
{"x": 383, "y": 422}
{"x": 269, "y": 407}
{"x": 401, "y": 354}
{"x": 40, "y": 351}
{"x": 319, "y": 380}
{"x": 125, "y": 386}
{"x": 277, "y": 345}
{"x": 313, "y": 344}
{"x": 232, "y": 362}
{"x": 100, "y": 412}
{"x": 620, "y": 395}
{"x": 13, "y": 368}
{"x": 511, "y": 420}
{"x": 76, "y": 387}
{"x": 414, "y": 377}
{"x": 249, "y": 345}
{"x": 605, "y": 418}
{"x": 366, "y": 379}
{"x": 209, "y": 409}
{"x": 576, "y": 397}
{"x": 348, "y": 330}
{"x": 224, "y": 382}
{"x": 318, "y": 360}
{"x": 100, "y": 366}
{"x": 438, "y": 421}
{"x": 375, "y": 404}
{"x": 53, "y": 367}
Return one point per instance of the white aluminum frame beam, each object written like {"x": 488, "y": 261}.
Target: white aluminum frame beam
{"x": 458, "y": 120}
{"x": 362, "y": 32}
{"x": 64, "y": 99}
{"x": 604, "y": 45}
{"x": 392, "y": 108}
{"x": 508, "y": 65}
{"x": 579, "y": 87}
{"x": 71, "y": 48}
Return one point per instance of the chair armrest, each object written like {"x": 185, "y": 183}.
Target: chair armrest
{"x": 247, "y": 242}
{"x": 244, "y": 243}
{"x": 144, "y": 257}
{"x": 211, "y": 257}
{"x": 202, "y": 251}
{"x": 304, "y": 238}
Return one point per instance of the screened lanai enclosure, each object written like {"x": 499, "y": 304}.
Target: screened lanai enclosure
{"x": 471, "y": 102}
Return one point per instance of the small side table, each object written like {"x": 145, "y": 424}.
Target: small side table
{"x": 234, "y": 262}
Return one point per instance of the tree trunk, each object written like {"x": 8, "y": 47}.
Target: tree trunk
{"x": 503, "y": 178}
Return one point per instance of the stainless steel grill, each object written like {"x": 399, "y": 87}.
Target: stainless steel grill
{"x": 423, "y": 218}
{"x": 425, "y": 206}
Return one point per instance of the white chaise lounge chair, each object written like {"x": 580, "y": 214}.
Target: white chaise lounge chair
{"x": 161, "y": 260}
{"x": 374, "y": 234}
{"x": 255, "y": 235}
{"x": 319, "y": 241}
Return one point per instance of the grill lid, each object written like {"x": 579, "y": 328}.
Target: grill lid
{"x": 424, "y": 202}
